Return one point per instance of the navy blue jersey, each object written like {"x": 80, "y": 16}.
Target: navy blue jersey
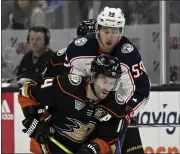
{"x": 134, "y": 86}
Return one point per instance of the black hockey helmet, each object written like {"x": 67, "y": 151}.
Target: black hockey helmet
{"x": 106, "y": 65}
{"x": 86, "y": 27}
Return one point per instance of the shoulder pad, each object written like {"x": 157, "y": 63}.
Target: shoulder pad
{"x": 59, "y": 56}
{"x": 128, "y": 54}
{"x": 84, "y": 46}
{"x": 127, "y": 48}
{"x": 61, "y": 51}
{"x": 119, "y": 98}
{"x": 114, "y": 105}
{"x": 73, "y": 85}
{"x": 80, "y": 41}
{"x": 74, "y": 79}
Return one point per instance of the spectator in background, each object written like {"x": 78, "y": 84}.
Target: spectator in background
{"x": 33, "y": 63}
{"x": 6, "y": 9}
{"x": 84, "y": 9}
{"x": 50, "y": 7}
{"x": 26, "y": 14}
{"x": 143, "y": 12}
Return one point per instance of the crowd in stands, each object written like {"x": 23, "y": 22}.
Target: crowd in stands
{"x": 58, "y": 14}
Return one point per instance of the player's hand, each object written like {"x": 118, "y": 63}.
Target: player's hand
{"x": 128, "y": 117}
{"x": 97, "y": 146}
{"x": 134, "y": 121}
{"x": 38, "y": 130}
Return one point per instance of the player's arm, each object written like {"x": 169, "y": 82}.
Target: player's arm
{"x": 75, "y": 53}
{"x": 33, "y": 98}
{"x": 37, "y": 94}
{"x": 135, "y": 82}
{"x": 57, "y": 65}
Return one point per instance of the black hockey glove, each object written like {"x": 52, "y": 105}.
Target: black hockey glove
{"x": 38, "y": 130}
{"x": 95, "y": 147}
{"x": 89, "y": 148}
{"x": 128, "y": 116}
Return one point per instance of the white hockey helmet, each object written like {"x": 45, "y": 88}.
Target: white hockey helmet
{"x": 111, "y": 17}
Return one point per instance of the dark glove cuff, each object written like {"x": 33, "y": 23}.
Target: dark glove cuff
{"x": 90, "y": 148}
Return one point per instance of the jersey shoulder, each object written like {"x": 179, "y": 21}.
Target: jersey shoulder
{"x": 72, "y": 85}
{"x": 59, "y": 56}
{"x": 83, "y": 46}
{"x": 113, "y": 104}
{"x": 127, "y": 52}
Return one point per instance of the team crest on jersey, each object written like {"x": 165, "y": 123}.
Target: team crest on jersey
{"x": 127, "y": 48}
{"x": 74, "y": 79}
{"x": 61, "y": 51}
{"x": 80, "y": 41}
{"x": 102, "y": 115}
{"x": 119, "y": 98}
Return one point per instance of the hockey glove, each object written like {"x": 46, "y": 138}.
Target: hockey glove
{"x": 128, "y": 115}
{"x": 38, "y": 130}
{"x": 97, "y": 146}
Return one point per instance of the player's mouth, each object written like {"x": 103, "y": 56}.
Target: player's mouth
{"x": 105, "y": 92}
{"x": 108, "y": 43}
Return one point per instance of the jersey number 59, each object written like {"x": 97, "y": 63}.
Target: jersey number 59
{"x": 138, "y": 69}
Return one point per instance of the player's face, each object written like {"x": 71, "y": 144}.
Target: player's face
{"x": 103, "y": 85}
{"x": 36, "y": 41}
{"x": 108, "y": 37}
{"x": 23, "y": 3}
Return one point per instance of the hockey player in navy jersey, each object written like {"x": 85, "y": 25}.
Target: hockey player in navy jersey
{"x": 109, "y": 38}
{"x": 55, "y": 65}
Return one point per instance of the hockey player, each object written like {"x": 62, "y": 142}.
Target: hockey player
{"x": 55, "y": 67}
{"x": 134, "y": 84}
{"x": 86, "y": 27}
{"x": 85, "y": 112}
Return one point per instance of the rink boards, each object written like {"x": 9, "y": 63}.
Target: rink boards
{"x": 163, "y": 107}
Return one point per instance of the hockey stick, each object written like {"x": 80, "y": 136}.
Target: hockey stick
{"x": 122, "y": 128}
{"x": 56, "y": 142}
{"x": 60, "y": 145}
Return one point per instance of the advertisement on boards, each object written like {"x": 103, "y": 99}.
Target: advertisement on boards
{"x": 163, "y": 108}
{"x": 7, "y": 129}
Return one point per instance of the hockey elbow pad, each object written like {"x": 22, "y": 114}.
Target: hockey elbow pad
{"x": 96, "y": 146}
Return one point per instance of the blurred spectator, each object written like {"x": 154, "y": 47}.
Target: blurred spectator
{"x": 33, "y": 63}
{"x": 26, "y": 14}
{"x": 50, "y": 8}
{"x": 6, "y": 7}
{"x": 143, "y": 12}
{"x": 174, "y": 11}
{"x": 84, "y": 9}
